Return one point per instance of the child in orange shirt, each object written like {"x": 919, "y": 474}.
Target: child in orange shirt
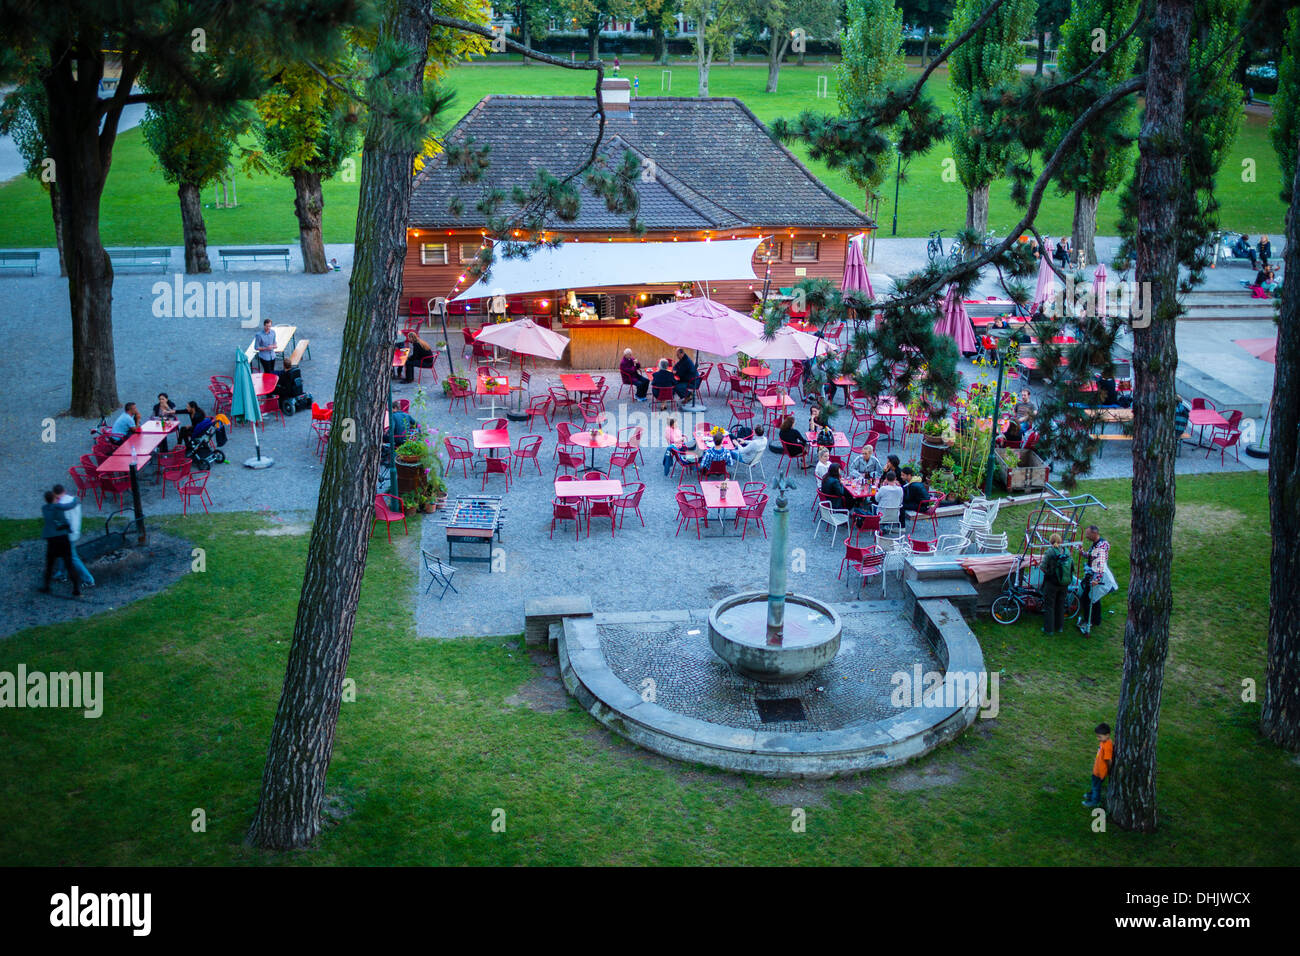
{"x": 1100, "y": 765}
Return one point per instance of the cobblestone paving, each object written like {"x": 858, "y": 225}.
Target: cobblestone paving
{"x": 690, "y": 679}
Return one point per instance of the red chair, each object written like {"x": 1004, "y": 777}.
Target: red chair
{"x": 861, "y": 416}
{"x": 563, "y": 437}
{"x": 852, "y": 557}
{"x": 419, "y": 312}
{"x": 322, "y": 414}
{"x": 539, "y": 405}
{"x": 1223, "y": 442}
{"x": 704, "y": 370}
{"x": 528, "y": 447}
{"x": 753, "y": 488}
{"x": 495, "y": 425}
{"x": 117, "y": 484}
{"x": 869, "y": 565}
{"x": 593, "y": 415}
{"x": 629, "y": 382}
{"x": 662, "y": 397}
{"x": 881, "y": 426}
{"x": 630, "y": 499}
{"x": 270, "y": 405}
{"x": 404, "y": 405}
{"x": 602, "y": 508}
{"x": 387, "y": 513}
{"x": 195, "y": 486}
{"x": 458, "y": 394}
{"x": 321, "y": 430}
{"x": 921, "y": 545}
{"x": 561, "y": 399}
{"x": 793, "y": 453}
{"x": 691, "y": 507}
{"x": 1234, "y": 424}
{"x": 739, "y": 388}
{"x": 458, "y": 450}
{"x": 752, "y": 511}
{"x": 570, "y": 460}
{"x": 717, "y": 469}
{"x": 629, "y": 439}
{"x": 620, "y": 458}
{"x": 740, "y": 412}
{"x": 175, "y": 468}
{"x": 867, "y": 523}
{"x": 86, "y": 480}
{"x": 927, "y": 510}
{"x": 1200, "y": 403}
{"x": 564, "y": 510}
{"x": 497, "y": 466}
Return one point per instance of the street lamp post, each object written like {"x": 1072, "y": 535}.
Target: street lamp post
{"x": 898, "y": 172}
{"x": 1000, "y": 341}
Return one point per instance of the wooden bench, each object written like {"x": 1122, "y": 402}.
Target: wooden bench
{"x": 140, "y": 257}
{"x": 298, "y": 353}
{"x": 14, "y": 259}
{"x": 256, "y": 255}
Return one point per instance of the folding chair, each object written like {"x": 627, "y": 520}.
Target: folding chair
{"x": 439, "y": 573}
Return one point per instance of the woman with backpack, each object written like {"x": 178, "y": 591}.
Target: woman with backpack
{"x": 1057, "y": 575}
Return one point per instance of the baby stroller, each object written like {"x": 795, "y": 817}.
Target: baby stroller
{"x": 200, "y": 443}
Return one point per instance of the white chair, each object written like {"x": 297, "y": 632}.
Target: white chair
{"x": 896, "y": 552}
{"x": 988, "y": 542}
{"x": 828, "y": 515}
{"x": 951, "y": 544}
{"x": 758, "y": 461}
{"x": 889, "y": 518}
{"x": 976, "y": 521}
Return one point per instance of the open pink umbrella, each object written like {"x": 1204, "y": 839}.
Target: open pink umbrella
{"x": 1099, "y": 290}
{"x": 855, "y": 270}
{"x": 698, "y": 323}
{"x": 1045, "y": 291}
{"x": 525, "y": 336}
{"x": 788, "y": 344}
{"x": 954, "y": 322}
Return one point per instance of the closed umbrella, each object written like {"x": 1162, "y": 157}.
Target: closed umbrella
{"x": 244, "y": 407}
{"x": 1045, "y": 290}
{"x": 954, "y": 322}
{"x": 855, "y": 270}
{"x": 1099, "y": 290}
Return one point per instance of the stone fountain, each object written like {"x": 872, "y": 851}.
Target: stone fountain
{"x": 775, "y": 637}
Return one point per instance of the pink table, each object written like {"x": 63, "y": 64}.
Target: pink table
{"x": 151, "y": 435}
{"x": 1204, "y": 418}
{"x": 609, "y": 487}
{"x": 264, "y": 383}
{"x": 775, "y": 401}
{"x": 491, "y": 438}
{"x": 578, "y": 383}
{"x": 756, "y": 371}
{"x": 584, "y": 440}
{"x": 713, "y": 497}
{"x": 502, "y": 387}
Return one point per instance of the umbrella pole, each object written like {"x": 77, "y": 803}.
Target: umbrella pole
{"x": 695, "y": 405}
{"x": 258, "y": 462}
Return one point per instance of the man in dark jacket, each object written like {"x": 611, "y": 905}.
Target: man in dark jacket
{"x": 57, "y": 544}
{"x": 914, "y": 491}
{"x": 685, "y": 371}
{"x": 664, "y": 378}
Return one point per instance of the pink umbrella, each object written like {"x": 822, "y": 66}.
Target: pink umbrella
{"x": 787, "y": 344}
{"x": 525, "y": 336}
{"x": 954, "y": 322}
{"x": 700, "y": 324}
{"x": 855, "y": 271}
{"x": 1045, "y": 291}
{"x": 1099, "y": 290}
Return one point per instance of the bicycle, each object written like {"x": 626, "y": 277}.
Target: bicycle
{"x": 1016, "y": 597}
{"x": 934, "y": 248}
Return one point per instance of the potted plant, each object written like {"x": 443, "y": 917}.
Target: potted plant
{"x": 460, "y": 382}
{"x": 934, "y": 445}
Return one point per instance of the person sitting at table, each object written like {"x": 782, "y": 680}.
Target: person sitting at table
{"x": 1025, "y": 407}
{"x": 686, "y": 372}
{"x": 630, "y": 370}
{"x": 264, "y": 342}
{"x": 664, "y": 378}
{"x": 122, "y": 425}
{"x": 791, "y": 436}
{"x": 890, "y": 493}
{"x": 893, "y": 464}
{"x": 422, "y": 354}
{"x": 840, "y": 498}
{"x": 914, "y": 491}
{"x": 401, "y": 425}
{"x": 752, "y": 449}
{"x": 164, "y": 410}
{"x": 716, "y": 452}
{"x": 865, "y": 464}
{"x": 196, "y": 415}
{"x": 676, "y": 443}
{"x": 1108, "y": 394}
{"x": 1013, "y": 435}
{"x": 823, "y": 463}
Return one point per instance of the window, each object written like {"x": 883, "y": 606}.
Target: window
{"x": 766, "y": 248}
{"x": 801, "y": 251}
{"x": 469, "y": 251}
{"x": 433, "y": 253}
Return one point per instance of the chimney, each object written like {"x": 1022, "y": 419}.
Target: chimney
{"x": 616, "y": 94}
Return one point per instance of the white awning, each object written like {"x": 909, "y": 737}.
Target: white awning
{"x": 588, "y": 265}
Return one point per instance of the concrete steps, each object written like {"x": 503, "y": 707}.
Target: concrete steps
{"x": 1194, "y": 383}
{"x": 1232, "y": 304}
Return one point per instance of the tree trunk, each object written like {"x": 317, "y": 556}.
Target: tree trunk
{"x": 977, "y": 210}
{"x": 1084, "y": 234}
{"x": 925, "y": 47}
{"x": 1042, "y": 53}
{"x": 775, "y": 54}
{"x": 703, "y": 59}
{"x": 308, "y": 204}
{"x": 527, "y": 37}
{"x": 1280, "y": 720}
{"x": 731, "y": 52}
{"x": 57, "y": 214}
{"x": 661, "y": 45}
{"x": 302, "y": 738}
{"x": 82, "y": 154}
{"x": 1162, "y": 144}
{"x": 196, "y": 233}
{"x": 803, "y": 52}
{"x": 593, "y": 41}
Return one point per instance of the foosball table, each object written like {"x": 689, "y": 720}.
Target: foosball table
{"x": 473, "y": 520}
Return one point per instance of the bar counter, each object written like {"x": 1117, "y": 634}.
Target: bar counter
{"x": 599, "y": 344}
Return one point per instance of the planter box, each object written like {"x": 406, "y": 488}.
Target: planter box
{"x": 1030, "y": 475}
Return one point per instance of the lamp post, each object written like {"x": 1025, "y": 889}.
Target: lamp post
{"x": 1000, "y": 341}
{"x": 898, "y": 173}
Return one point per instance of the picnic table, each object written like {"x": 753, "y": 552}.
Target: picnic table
{"x": 584, "y": 439}
{"x": 143, "y": 442}
{"x": 284, "y": 337}
{"x": 500, "y": 386}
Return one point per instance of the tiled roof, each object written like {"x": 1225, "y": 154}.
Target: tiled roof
{"x": 716, "y": 166}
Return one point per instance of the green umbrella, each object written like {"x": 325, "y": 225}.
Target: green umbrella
{"x": 245, "y": 407}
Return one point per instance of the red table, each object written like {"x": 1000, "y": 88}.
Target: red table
{"x": 775, "y": 401}
{"x": 756, "y": 371}
{"x": 583, "y": 439}
{"x": 578, "y": 383}
{"x": 1204, "y": 418}
{"x": 890, "y": 408}
{"x": 802, "y": 327}
{"x": 264, "y": 383}
{"x": 501, "y": 387}
{"x": 845, "y": 382}
{"x": 151, "y": 435}
{"x": 491, "y": 438}
{"x": 714, "y": 500}
{"x": 607, "y": 487}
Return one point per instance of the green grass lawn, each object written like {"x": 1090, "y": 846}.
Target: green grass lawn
{"x": 433, "y": 745}
{"x": 140, "y": 208}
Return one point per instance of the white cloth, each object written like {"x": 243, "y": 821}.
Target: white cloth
{"x": 889, "y": 496}
{"x": 73, "y": 517}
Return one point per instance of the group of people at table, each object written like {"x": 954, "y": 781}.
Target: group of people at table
{"x": 683, "y": 377}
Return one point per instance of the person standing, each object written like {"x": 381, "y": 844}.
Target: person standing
{"x": 61, "y": 496}
{"x": 55, "y": 533}
{"x": 1057, "y": 576}
{"x": 1097, "y": 579}
{"x": 1100, "y": 765}
{"x": 264, "y": 342}
{"x": 1265, "y": 250}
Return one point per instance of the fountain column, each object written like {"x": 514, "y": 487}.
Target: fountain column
{"x": 777, "y": 565}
